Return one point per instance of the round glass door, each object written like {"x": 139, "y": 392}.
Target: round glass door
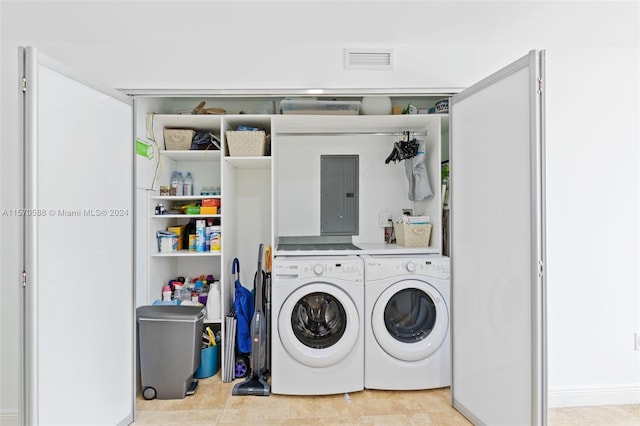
{"x": 318, "y": 324}
{"x": 410, "y": 315}
{"x": 410, "y": 320}
{"x": 318, "y": 320}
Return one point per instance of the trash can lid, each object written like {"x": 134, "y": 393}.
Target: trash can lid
{"x": 171, "y": 312}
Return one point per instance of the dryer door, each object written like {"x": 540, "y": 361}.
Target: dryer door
{"x": 318, "y": 324}
{"x": 410, "y": 320}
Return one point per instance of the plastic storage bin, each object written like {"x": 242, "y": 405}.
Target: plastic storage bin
{"x": 169, "y": 346}
{"x": 318, "y": 107}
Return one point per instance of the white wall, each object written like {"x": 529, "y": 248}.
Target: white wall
{"x": 592, "y": 130}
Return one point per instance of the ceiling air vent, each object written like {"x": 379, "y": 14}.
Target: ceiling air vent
{"x": 368, "y": 59}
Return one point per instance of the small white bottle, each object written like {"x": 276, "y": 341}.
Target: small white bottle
{"x": 213, "y": 301}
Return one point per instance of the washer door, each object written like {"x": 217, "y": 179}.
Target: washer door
{"x": 318, "y": 324}
{"x": 410, "y": 320}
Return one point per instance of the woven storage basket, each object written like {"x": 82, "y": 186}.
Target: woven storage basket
{"x": 244, "y": 143}
{"x": 412, "y": 234}
{"x": 178, "y": 139}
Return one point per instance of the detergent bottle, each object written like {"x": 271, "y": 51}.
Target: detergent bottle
{"x": 213, "y": 301}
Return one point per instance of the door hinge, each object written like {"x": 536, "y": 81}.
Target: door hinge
{"x": 540, "y": 268}
{"x": 539, "y": 86}
{"x": 24, "y": 278}
{"x": 24, "y": 84}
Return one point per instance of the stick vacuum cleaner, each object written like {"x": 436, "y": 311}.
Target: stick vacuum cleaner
{"x": 255, "y": 383}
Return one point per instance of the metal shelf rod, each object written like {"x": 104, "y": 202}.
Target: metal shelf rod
{"x": 349, "y": 133}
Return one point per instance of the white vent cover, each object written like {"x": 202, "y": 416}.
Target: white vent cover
{"x": 368, "y": 59}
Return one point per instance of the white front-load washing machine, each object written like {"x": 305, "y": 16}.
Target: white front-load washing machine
{"x": 317, "y": 339}
{"x": 407, "y": 322}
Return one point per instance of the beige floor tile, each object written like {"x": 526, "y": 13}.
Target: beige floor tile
{"x": 618, "y": 415}
{"x": 633, "y": 409}
{"x": 213, "y": 404}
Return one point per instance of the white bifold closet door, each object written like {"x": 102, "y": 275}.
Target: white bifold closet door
{"x": 78, "y": 311}
{"x": 497, "y": 247}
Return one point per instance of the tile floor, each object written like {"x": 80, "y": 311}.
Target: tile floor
{"x": 213, "y": 404}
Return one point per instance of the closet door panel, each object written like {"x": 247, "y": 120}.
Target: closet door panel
{"x": 498, "y": 336}
{"x": 78, "y": 302}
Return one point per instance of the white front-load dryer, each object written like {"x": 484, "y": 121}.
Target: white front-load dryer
{"x": 407, "y": 322}
{"x": 317, "y": 339}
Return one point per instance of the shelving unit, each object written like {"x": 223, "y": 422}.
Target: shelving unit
{"x": 205, "y": 166}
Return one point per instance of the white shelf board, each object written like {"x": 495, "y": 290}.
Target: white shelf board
{"x": 187, "y": 253}
{"x": 253, "y": 120}
{"x": 188, "y": 155}
{"x": 249, "y": 162}
{"x": 183, "y": 197}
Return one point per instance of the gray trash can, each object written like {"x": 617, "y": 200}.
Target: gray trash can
{"x": 169, "y": 339}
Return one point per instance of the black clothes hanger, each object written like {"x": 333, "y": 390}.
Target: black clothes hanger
{"x": 403, "y": 149}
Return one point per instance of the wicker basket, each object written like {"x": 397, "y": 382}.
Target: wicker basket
{"x": 243, "y": 143}
{"x": 412, "y": 234}
{"x": 178, "y": 139}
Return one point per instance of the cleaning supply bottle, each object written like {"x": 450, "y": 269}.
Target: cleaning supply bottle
{"x": 189, "y": 229}
{"x": 215, "y": 238}
{"x": 200, "y": 235}
{"x": 204, "y": 294}
{"x": 195, "y": 291}
{"x": 166, "y": 293}
{"x": 207, "y": 235}
{"x": 177, "y": 291}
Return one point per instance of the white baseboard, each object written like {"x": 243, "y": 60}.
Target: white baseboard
{"x": 584, "y": 396}
{"x": 9, "y": 418}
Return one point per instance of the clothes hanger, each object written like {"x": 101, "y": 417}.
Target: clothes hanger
{"x": 404, "y": 149}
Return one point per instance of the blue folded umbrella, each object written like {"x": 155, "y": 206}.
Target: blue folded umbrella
{"x": 244, "y": 306}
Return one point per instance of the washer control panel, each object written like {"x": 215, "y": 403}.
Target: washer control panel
{"x": 348, "y": 268}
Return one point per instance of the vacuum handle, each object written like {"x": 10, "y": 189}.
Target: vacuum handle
{"x": 260, "y": 251}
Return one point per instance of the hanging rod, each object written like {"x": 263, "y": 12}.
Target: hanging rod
{"x": 349, "y": 133}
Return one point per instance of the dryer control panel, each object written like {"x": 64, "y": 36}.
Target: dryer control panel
{"x": 386, "y": 267}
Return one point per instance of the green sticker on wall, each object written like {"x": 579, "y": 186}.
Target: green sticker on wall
{"x": 144, "y": 149}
